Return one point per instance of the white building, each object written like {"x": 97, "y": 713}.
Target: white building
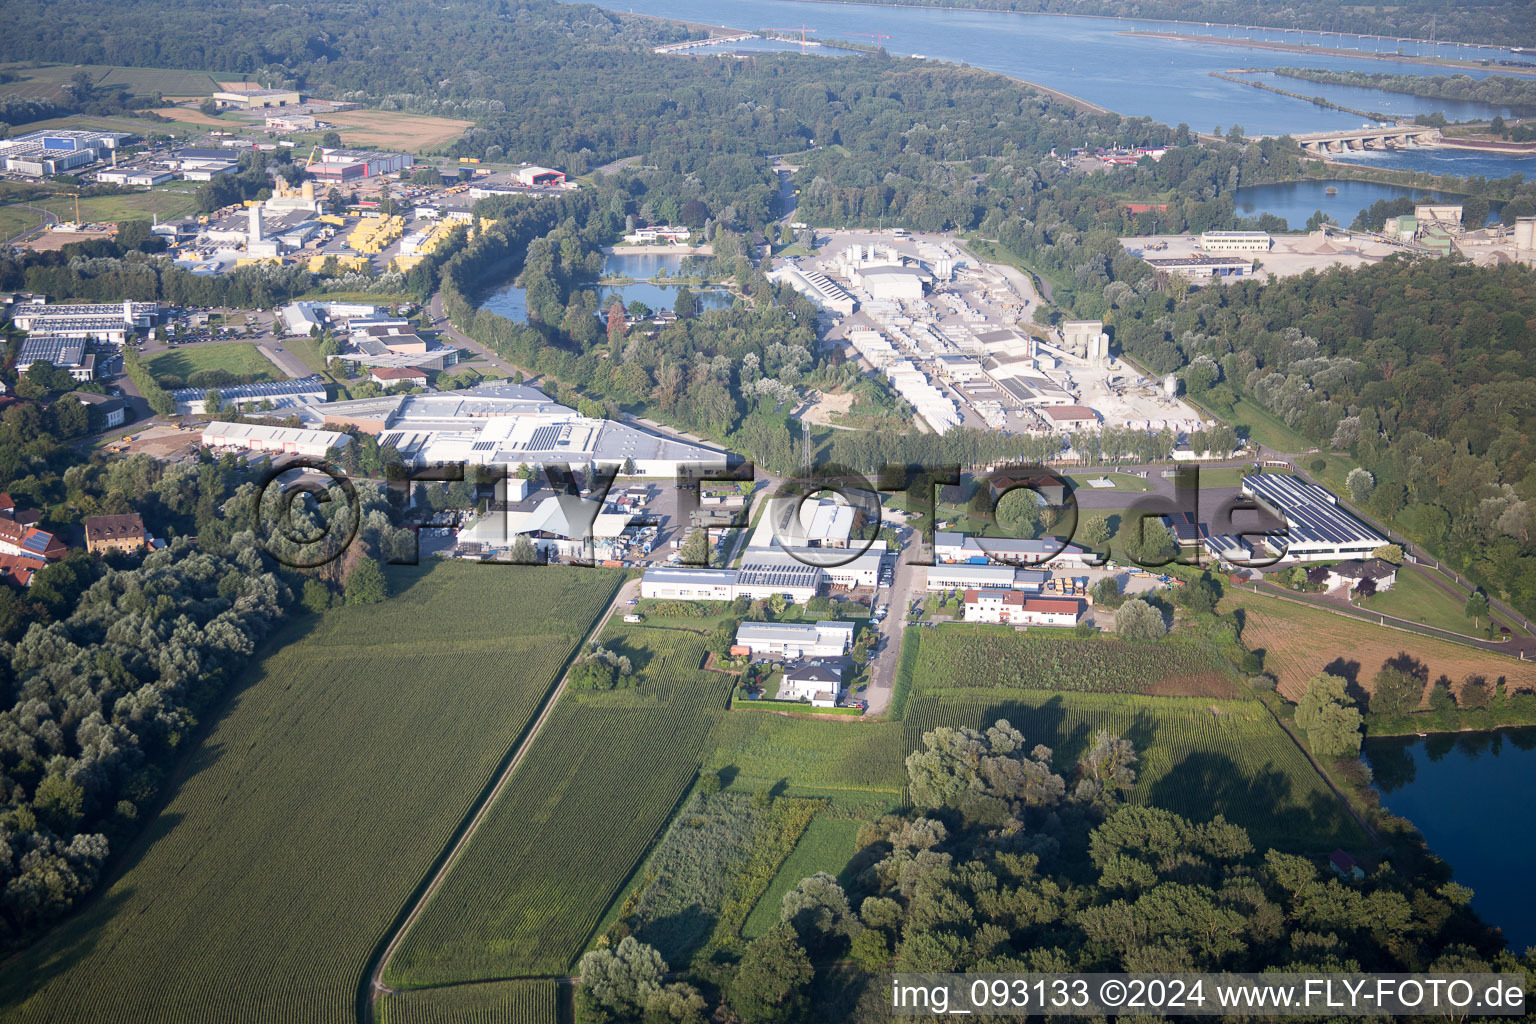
{"x": 1236, "y": 241}
{"x": 818, "y": 682}
{"x": 794, "y": 639}
{"x": 765, "y": 574}
{"x": 497, "y": 423}
{"x": 817, "y": 287}
{"x": 285, "y": 394}
{"x": 258, "y": 437}
{"x": 963, "y": 548}
{"x": 1317, "y": 529}
{"x": 885, "y": 282}
{"x": 985, "y": 577}
{"x": 1014, "y": 607}
{"x": 685, "y": 584}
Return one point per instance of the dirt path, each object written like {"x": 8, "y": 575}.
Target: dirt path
{"x": 375, "y": 974}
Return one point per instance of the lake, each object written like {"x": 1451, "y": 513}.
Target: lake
{"x": 1466, "y": 793}
{"x": 1092, "y": 58}
{"x": 511, "y": 301}
{"x": 641, "y": 265}
{"x": 1298, "y": 200}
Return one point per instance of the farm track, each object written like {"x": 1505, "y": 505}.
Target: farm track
{"x": 373, "y": 984}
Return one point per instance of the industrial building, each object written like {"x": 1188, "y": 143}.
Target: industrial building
{"x": 963, "y": 548}
{"x": 795, "y": 640}
{"x": 985, "y": 577}
{"x": 257, "y": 99}
{"x": 141, "y": 176}
{"x": 767, "y": 574}
{"x": 353, "y": 164}
{"x": 259, "y": 437}
{"x": 99, "y": 321}
{"x": 817, "y": 287}
{"x": 532, "y": 176}
{"x": 497, "y": 423}
{"x": 685, "y": 584}
{"x": 58, "y": 150}
{"x": 1236, "y": 241}
{"x": 288, "y": 394}
{"x": 1013, "y": 607}
{"x": 883, "y": 282}
{"x": 63, "y": 353}
{"x": 1317, "y": 529}
{"x": 292, "y": 122}
{"x": 119, "y": 533}
{"x": 1201, "y": 267}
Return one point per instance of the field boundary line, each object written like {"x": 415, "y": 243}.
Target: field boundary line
{"x": 1388, "y": 621}
{"x": 371, "y": 986}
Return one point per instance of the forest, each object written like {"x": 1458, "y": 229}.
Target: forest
{"x": 1010, "y": 861}
{"x": 1500, "y": 90}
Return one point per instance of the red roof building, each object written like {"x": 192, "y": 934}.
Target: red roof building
{"x": 27, "y": 541}
{"x": 1013, "y": 606}
{"x": 391, "y": 375}
{"x": 18, "y": 571}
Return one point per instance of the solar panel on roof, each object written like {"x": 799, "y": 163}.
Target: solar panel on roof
{"x": 482, "y": 446}
{"x": 543, "y": 438}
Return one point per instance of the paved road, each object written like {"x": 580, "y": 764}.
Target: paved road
{"x": 438, "y": 317}
{"x": 882, "y": 675}
{"x": 49, "y": 220}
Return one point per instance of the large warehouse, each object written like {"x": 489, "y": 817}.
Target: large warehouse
{"x": 352, "y": 164}
{"x": 1317, "y": 529}
{"x": 514, "y": 425}
{"x": 794, "y": 639}
{"x": 258, "y": 437}
{"x": 286, "y": 394}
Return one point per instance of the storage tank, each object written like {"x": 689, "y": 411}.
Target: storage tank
{"x": 1525, "y": 233}
{"x": 1171, "y": 386}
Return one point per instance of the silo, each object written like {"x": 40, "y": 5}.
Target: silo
{"x": 1525, "y": 233}
{"x": 1171, "y": 386}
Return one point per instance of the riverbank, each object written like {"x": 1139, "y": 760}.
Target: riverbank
{"x": 1315, "y": 100}
{"x": 1328, "y": 51}
{"x": 659, "y": 250}
{"x": 1488, "y": 145}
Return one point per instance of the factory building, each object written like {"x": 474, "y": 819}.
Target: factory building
{"x": 1201, "y": 267}
{"x": 57, "y": 151}
{"x": 817, "y": 287}
{"x": 1317, "y": 529}
{"x": 257, "y": 99}
{"x": 1066, "y": 418}
{"x": 140, "y": 176}
{"x": 795, "y": 640}
{"x": 497, "y": 423}
{"x": 684, "y": 584}
{"x": 531, "y": 176}
{"x": 1236, "y": 241}
{"x": 292, "y": 122}
{"x": 62, "y": 352}
{"x": 282, "y": 395}
{"x": 258, "y": 437}
{"x": 64, "y": 318}
{"x": 883, "y": 282}
{"x": 985, "y": 577}
{"x": 965, "y": 549}
{"x": 354, "y": 164}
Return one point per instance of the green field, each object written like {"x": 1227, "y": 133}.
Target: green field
{"x": 598, "y": 785}
{"x": 1416, "y": 598}
{"x": 965, "y": 656}
{"x": 857, "y": 762}
{"x": 1122, "y": 482}
{"x": 317, "y": 802}
{"x": 827, "y": 845}
{"x": 45, "y": 82}
{"x": 1198, "y": 758}
{"x": 238, "y": 357}
{"x": 526, "y": 1001}
{"x": 169, "y": 201}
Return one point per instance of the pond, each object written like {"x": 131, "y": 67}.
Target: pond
{"x": 1297, "y": 200}
{"x": 511, "y": 301}
{"x": 641, "y": 265}
{"x": 1466, "y": 792}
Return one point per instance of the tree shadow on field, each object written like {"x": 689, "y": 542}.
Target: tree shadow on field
{"x": 1204, "y": 784}
{"x": 69, "y": 943}
{"x": 1348, "y": 670}
{"x": 678, "y": 935}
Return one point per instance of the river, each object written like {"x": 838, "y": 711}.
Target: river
{"x": 1298, "y": 200}
{"x": 1466, "y": 793}
{"x": 1091, "y": 58}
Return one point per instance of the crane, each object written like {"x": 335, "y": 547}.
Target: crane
{"x": 77, "y": 202}
{"x": 876, "y": 36}
{"x": 802, "y": 30}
